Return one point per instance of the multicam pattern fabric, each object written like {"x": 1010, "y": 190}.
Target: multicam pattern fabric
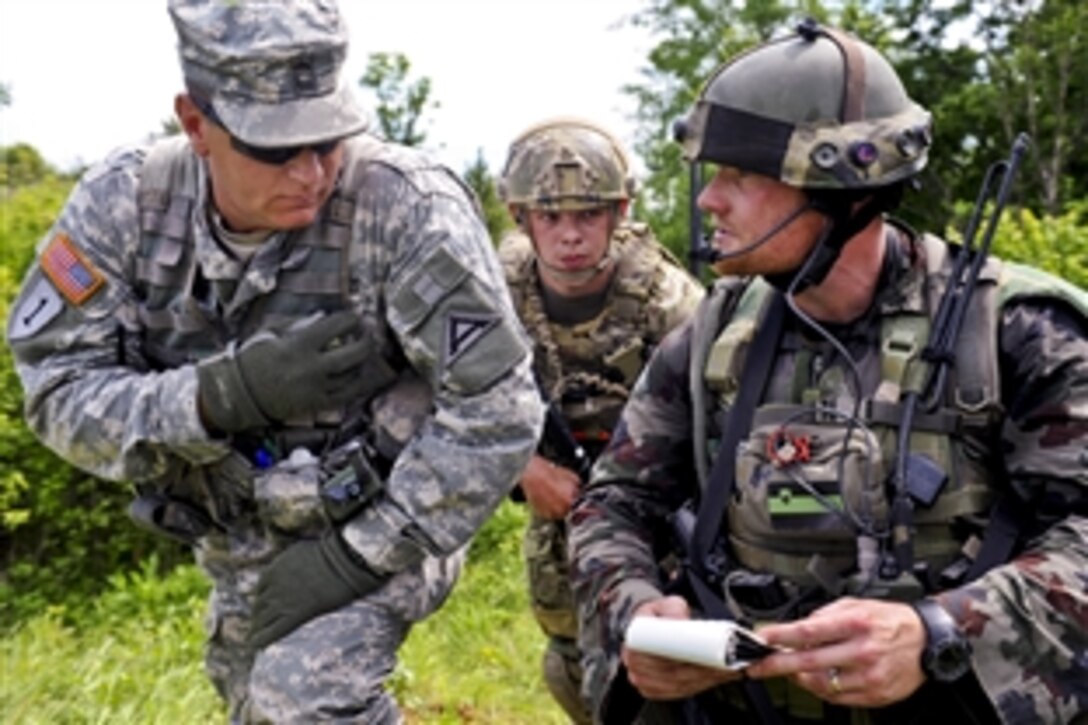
{"x": 590, "y": 368}
{"x": 111, "y": 386}
{"x": 1026, "y": 620}
{"x": 565, "y": 164}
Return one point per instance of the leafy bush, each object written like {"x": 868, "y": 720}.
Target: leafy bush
{"x": 1058, "y": 245}
{"x": 62, "y": 532}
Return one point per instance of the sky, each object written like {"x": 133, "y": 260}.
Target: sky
{"x": 86, "y": 76}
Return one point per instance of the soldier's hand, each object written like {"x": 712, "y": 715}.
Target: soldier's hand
{"x": 308, "y": 579}
{"x": 661, "y": 678}
{"x": 548, "y": 488}
{"x": 854, "y": 652}
{"x": 312, "y": 366}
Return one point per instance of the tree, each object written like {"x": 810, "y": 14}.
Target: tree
{"x": 401, "y": 103}
{"x": 496, "y": 217}
{"x": 5, "y": 95}
{"x": 21, "y": 165}
{"x": 987, "y": 71}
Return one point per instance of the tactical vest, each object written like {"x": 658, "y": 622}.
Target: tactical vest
{"x": 590, "y": 367}
{"x": 186, "y": 316}
{"x": 809, "y": 496}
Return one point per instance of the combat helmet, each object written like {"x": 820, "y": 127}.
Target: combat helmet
{"x": 565, "y": 164}
{"x": 816, "y": 109}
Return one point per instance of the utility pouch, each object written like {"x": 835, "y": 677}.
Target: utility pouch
{"x": 170, "y": 517}
{"x": 805, "y": 489}
{"x": 356, "y": 474}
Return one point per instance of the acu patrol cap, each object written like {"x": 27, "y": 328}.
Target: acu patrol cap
{"x": 270, "y": 69}
{"x": 816, "y": 109}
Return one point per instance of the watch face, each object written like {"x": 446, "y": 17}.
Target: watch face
{"x": 947, "y": 655}
{"x": 949, "y": 660}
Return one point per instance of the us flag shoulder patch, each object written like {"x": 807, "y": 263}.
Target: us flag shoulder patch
{"x": 69, "y": 270}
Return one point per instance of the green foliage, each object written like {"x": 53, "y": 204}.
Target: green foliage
{"x": 26, "y": 213}
{"x": 62, "y": 532}
{"x": 988, "y": 71}
{"x": 496, "y": 217}
{"x": 133, "y": 655}
{"x": 1058, "y": 245}
{"x": 20, "y": 166}
{"x": 401, "y": 103}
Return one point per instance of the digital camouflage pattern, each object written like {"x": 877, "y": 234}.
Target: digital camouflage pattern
{"x": 111, "y": 386}
{"x": 590, "y": 368}
{"x": 829, "y": 112}
{"x": 565, "y": 163}
{"x": 1026, "y": 620}
{"x": 269, "y": 68}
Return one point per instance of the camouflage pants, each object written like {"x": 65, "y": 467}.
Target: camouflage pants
{"x": 331, "y": 668}
{"x": 545, "y": 549}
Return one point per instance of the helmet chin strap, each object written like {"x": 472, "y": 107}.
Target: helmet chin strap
{"x": 845, "y": 222}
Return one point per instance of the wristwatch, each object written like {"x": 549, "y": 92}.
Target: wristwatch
{"x": 947, "y": 654}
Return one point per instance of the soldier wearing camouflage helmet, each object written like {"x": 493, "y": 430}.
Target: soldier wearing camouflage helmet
{"x": 596, "y": 293}
{"x": 903, "y": 566}
{"x": 296, "y": 340}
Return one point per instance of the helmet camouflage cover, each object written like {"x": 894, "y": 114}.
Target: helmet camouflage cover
{"x": 816, "y": 109}
{"x": 565, "y": 163}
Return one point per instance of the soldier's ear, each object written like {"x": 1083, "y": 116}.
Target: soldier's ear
{"x": 193, "y": 123}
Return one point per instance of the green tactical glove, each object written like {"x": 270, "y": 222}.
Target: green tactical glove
{"x": 308, "y": 579}
{"x": 314, "y": 365}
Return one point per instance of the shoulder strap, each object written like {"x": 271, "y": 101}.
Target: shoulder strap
{"x": 757, "y": 369}
{"x": 722, "y": 300}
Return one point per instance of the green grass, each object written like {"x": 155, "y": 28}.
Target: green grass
{"x": 134, "y": 654}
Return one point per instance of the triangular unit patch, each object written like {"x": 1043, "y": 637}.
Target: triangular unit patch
{"x": 463, "y": 330}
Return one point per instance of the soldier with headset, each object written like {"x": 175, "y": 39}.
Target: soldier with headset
{"x": 596, "y": 292}
{"x": 906, "y": 560}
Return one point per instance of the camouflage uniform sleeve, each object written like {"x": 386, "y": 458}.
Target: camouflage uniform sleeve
{"x": 617, "y": 525}
{"x": 681, "y": 294}
{"x": 89, "y": 394}
{"x": 1028, "y": 620}
{"x": 448, "y": 306}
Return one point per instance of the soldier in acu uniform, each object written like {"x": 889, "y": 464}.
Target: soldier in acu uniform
{"x": 596, "y": 293}
{"x": 909, "y": 566}
{"x": 296, "y": 340}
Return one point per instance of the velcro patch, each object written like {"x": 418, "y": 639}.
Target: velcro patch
{"x": 40, "y": 305}
{"x": 69, "y": 270}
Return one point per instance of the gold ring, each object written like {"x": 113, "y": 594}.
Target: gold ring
{"x": 833, "y": 680}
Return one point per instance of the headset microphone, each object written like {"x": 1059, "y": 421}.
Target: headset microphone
{"x": 706, "y": 252}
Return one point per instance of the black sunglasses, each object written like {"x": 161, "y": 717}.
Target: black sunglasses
{"x": 271, "y": 155}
